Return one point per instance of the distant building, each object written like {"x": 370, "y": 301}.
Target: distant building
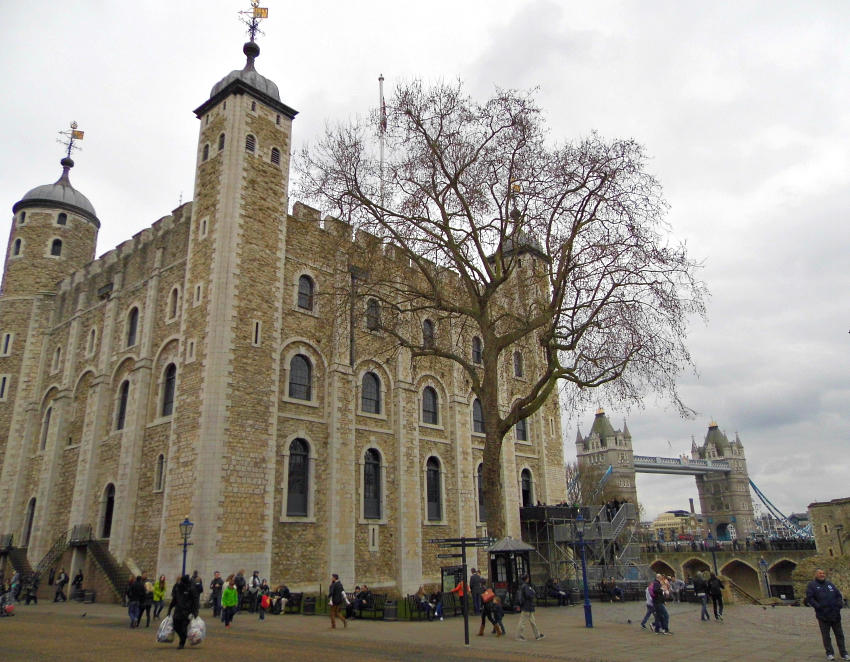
{"x": 831, "y": 526}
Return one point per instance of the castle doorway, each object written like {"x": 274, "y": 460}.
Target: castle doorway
{"x": 108, "y": 508}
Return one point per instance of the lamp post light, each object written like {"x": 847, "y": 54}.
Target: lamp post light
{"x": 186, "y": 531}
{"x": 711, "y": 547}
{"x": 763, "y": 566}
{"x": 588, "y": 613}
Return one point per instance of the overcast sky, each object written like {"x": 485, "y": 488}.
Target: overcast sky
{"x": 742, "y": 105}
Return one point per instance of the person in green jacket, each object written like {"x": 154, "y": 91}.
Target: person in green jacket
{"x": 229, "y": 600}
{"x": 158, "y": 595}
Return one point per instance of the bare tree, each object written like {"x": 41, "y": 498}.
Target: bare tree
{"x": 557, "y": 248}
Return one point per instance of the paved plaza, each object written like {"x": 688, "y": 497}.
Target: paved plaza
{"x": 60, "y": 631}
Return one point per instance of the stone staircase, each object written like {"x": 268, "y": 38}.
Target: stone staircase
{"x": 740, "y": 594}
{"x": 116, "y": 573}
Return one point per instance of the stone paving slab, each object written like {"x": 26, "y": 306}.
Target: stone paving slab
{"x": 747, "y": 633}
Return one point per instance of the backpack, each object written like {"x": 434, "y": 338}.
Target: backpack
{"x": 265, "y": 601}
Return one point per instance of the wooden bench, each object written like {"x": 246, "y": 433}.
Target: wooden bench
{"x": 373, "y": 607}
{"x": 415, "y": 611}
{"x": 293, "y": 606}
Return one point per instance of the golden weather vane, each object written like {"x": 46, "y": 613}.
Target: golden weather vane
{"x": 68, "y": 138}
{"x": 252, "y": 18}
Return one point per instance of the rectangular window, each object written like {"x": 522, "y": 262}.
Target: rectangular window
{"x": 190, "y": 351}
{"x": 373, "y": 537}
{"x": 6, "y": 348}
{"x": 199, "y": 291}
{"x": 256, "y": 336}
{"x": 203, "y": 227}
{"x": 4, "y": 386}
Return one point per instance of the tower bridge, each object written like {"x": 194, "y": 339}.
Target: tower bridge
{"x": 719, "y": 467}
{"x": 679, "y": 465}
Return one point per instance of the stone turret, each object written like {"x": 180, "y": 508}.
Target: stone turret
{"x": 605, "y": 447}
{"x": 54, "y": 233}
{"x": 725, "y": 498}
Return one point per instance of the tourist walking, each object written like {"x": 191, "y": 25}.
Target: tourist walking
{"x": 827, "y": 601}
{"x": 61, "y": 581}
{"x": 135, "y": 596}
{"x": 336, "y": 600}
{"x": 216, "y": 587}
{"x": 184, "y": 604}
{"x": 229, "y": 601}
{"x": 659, "y": 597}
{"x": 158, "y": 596}
{"x": 650, "y": 607}
{"x": 147, "y": 600}
{"x": 498, "y": 615}
{"x": 715, "y": 590}
{"x": 526, "y": 596}
{"x": 701, "y": 591}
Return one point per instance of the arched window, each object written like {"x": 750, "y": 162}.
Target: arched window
{"x": 476, "y": 350}
{"x": 220, "y": 142}
{"x": 299, "y": 476}
{"x": 250, "y": 143}
{"x": 123, "y": 398}
{"x": 275, "y": 156}
{"x": 372, "y": 484}
{"x": 57, "y": 358}
{"x": 159, "y": 474}
{"x": 477, "y": 417}
{"x": 527, "y": 488}
{"x": 430, "y": 406}
{"x": 56, "y": 247}
{"x": 23, "y": 217}
{"x": 300, "y": 378}
{"x": 433, "y": 489}
{"x": 173, "y": 303}
{"x": 305, "y": 292}
{"x": 62, "y": 219}
{"x": 132, "y": 326}
{"x": 522, "y": 430}
{"x": 206, "y": 152}
{"x": 518, "y": 364}
{"x": 28, "y": 520}
{"x": 428, "y": 334}
{"x": 16, "y": 248}
{"x": 45, "y": 428}
{"x": 108, "y": 509}
{"x": 373, "y": 315}
{"x": 482, "y": 511}
{"x": 169, "y": 384}
{"x": 370, "y": 393}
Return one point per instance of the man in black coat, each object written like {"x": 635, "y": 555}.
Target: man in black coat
{"x": 185, "y": 604}
{"x": 827, "y": 601}
{"x": 336, "y": 600}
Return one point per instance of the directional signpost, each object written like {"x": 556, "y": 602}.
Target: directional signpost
{"x": 463, "y": 543}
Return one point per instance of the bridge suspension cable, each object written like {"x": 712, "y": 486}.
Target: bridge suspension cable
{"x": 796, "y": 531}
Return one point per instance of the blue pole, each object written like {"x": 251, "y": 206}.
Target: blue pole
{"x": 185, "y": 546}
{"x": 588, "y": 614}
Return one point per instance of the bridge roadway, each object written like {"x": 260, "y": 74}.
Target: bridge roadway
{"x": 741, "y": 566}
{"x": 684, "y": 466}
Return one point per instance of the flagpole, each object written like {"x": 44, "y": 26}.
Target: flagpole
{"x": 383, "y": 130}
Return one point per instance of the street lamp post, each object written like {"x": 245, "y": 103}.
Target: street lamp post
{"x": 763, "y": 566}
{"x": 713, "y": 555}
{"x": 186, "y": 531}
{"x": 588, "y": 613}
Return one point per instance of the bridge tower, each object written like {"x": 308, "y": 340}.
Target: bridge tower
{"x": 725, "y": 499}
{"x": 605, "y": 447}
